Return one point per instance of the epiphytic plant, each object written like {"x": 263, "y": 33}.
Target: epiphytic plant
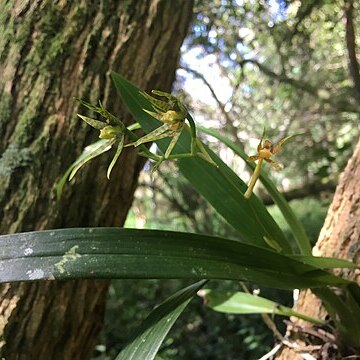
{"x": 265, "y": 150}
{"x": 260, "y": 253}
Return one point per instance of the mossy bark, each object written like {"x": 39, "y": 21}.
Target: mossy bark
{"x": 50, "y": 52}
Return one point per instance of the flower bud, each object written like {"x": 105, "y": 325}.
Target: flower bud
{"x": 109, "y": 132}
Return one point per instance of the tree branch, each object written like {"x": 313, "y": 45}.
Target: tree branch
{"x": 351, "y": 46}
{"x": 220, "y": 104}
{"x": 302, "y": 14}
{"x": 228, "y": 119}
{"x": 298, "y": 84}
{"x": 303, "y": 86}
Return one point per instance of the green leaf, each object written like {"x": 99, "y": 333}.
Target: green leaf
{"x": 148, "y": 337}
{"x": 116, "y": 156}
{"x": 92, "y": 122}
{"x": 325, "y": 262}
{"x": 90, "y": 152}
{"x": 220, "y": 186}
{"x": 131, "y": 253}
{"x": 244, "y": 303}
{"x": 297, "y": 228}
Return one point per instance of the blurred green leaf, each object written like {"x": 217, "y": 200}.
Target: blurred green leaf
{"x": 325, "y": 262}
{"x": 130, "y": 253}
{"x": 90, "y": 152}
{"x": 243, "y": 303}
{"x": 147, "y": 339}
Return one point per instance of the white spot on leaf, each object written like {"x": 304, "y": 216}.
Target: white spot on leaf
{"x": 28, "y": 251}
{"x": 35, "y": 274}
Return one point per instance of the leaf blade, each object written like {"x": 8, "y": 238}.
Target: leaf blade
{"x": 130, "y": 253}
{"x": 243, "y": 303}
{"x": 146, "y": 341}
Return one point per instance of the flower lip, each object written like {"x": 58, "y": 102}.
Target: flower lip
{"x": 267, "y": 144}
{"x": 109, "y": 132}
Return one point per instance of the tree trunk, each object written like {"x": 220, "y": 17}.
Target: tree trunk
{"x": 339, "y": 238}
{"x": 50, "y": 52}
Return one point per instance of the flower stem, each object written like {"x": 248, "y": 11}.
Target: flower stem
{"x": 253, "y": 179}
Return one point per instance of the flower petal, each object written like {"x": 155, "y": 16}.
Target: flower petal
{"x": 116, "y": 156}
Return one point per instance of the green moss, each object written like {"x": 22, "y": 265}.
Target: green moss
{"x": 42, "y": 141}
{"x": 30, "y": 116}
{"x": 49, "y": 42}
{"x": 128, "y": 5}
{"x": 6, "y": 31}
{"x": 56, "y": 30}
{"x": 13, "y": 158}
{"x": 5, "y": 108}
{"x": 56, "y": 50}
{"x": 52, "y": 20}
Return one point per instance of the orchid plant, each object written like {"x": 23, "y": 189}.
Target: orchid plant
{"x": 260, "y": 254}
{"x": 171, "y": 113}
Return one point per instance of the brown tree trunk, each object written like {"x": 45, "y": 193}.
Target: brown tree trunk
{"x": 50, "y": 52}
{"x": 339, "y": 237}
{"x": 350, "y": 38}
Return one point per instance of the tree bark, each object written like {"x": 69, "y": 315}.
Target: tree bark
{"x": 50, "y": 52}
{"x": 339, "y": 238}
{"x": 351, "y": 46}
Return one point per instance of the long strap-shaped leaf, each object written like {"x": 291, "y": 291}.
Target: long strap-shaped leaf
{"x": 243, "y": 303}
{"x": 130, "y": 253}
{"x": 220, "y": 186}
{"x": 148, "y": 337}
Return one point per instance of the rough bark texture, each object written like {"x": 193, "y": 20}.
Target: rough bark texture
{"x": 339, "y": 237}
{"x": 351, "y": 46}
{"x": 50, "y": 52}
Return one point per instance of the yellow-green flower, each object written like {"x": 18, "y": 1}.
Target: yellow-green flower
{"x": 172, "y": 113}
{"x": 112, "y": 131}
{"x": 265, "y": 150}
